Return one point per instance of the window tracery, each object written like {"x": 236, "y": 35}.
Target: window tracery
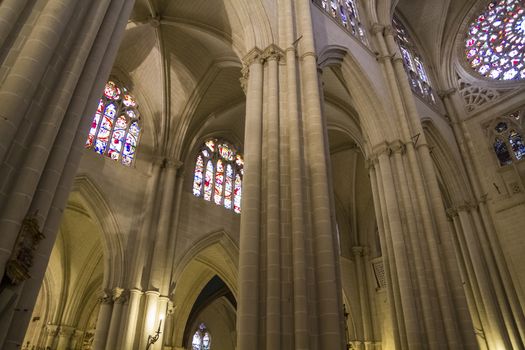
{"x": 115, "y": 130}
{"x": 201, "y": 339}
{"x": 507, "y": 139}
{"x": 495, "y": 41}
{"x": 218, "y": 173}
{"x": 346, "y": 14}
{"x": 413, "y": 63}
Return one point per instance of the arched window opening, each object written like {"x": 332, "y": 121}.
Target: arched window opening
{"x": 201, "y": 339}
{"x": 222, "y": 175}
{"x": 115, "y": 130}
{"x": 413, "y": 63}
{"x": 346, "y": 13}
{"x": 495, "y": 41}
{"x": 507, "y": 139}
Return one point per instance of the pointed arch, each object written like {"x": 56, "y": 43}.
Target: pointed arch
{"x": 216, "y": 254}
{"x": 99, "y": 210}
{"x": 369, "y": 101}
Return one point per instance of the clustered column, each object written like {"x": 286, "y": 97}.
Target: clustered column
{"x": 422, "y": 269}
{"x": 493, "y": 293}
{"x": 43, "y": 128}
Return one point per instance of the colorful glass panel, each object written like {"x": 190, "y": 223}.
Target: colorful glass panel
{"x": 223, "y": 167}
{"x": 219, "y": 182}
{"x": 516, "y": 142}
{"x": 502, "y": 152}
{"x": 197, "y": 177}
{"x": 94, "y": 125}
{"x": 226, "y": 152}
{"x": 208, "y": 181}
{"x": 495, "y": 41}
{"x": 119, "y": 133}
{"x": 201, "y": 339}
{"x": 346, "y": 14}
{"x": 228, "y": 187}
{"x": 131, "y": 144}
{"x": 111, "y": 137}
{"x": 237, "y": 192}
{"x": 414, "y": 66}
{"x": 111, "y": 91}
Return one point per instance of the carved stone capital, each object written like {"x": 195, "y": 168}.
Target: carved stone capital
{"x": 389, "y": 30}
{"x": 377, "y": 28}
{"x": 359, "y": 251}
{"x": 451, "y": 213}
{"x": 52, "y": 329}
{"x": 272, "y": 53}
{"x": 446, "y": 93}
{"x": 120, "y": 295}
{"x": 106, "y": 297}
{"x": 172, "y": 163}
{"x": 66, "y": 331}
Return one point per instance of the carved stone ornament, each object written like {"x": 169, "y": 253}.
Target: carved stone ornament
{"x": 17, "y": 269}
{"x": 477, "y": 96}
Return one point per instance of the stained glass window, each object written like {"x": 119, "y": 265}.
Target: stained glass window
{"x": 222, "y": 175}
{"x": 346, "y": 14}
{"x": 508, "y": 141}
{"x": 201, "y": 339}
{"x": 413, "y": 63}
{"x": 115, "y": 129}
{"x": 495, "y": 41}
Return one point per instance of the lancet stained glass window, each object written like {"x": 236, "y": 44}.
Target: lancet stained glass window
{"x": 346, "y": 14}
{"x": 495, "y": 41}
{"x": 413, "y": 63}
{"x": 115, "y": 130}
{"x": 508, "y": 143}
{"x": 201, "y": 339}
{"x": 218, "y": 174}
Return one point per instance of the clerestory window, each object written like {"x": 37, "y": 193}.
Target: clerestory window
{"x": 218, "y": 174}
{"x": 115, "y": 130}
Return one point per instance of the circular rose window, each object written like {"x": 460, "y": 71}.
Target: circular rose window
{"x": 495, "y": 43}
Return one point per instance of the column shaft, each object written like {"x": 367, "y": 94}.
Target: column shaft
{"x": 103, "y": 322}
{"x": 249, "y": 284}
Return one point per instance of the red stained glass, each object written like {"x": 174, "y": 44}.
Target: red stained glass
{"x": 495, "y": 43}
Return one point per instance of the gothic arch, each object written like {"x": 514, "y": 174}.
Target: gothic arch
{"x": 449, "y": 171}
{"x": 101, "y": 214}
{"x": 214, "y": 255}
{"x": 367, "y": 100}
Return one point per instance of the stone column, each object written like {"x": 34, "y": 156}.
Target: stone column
{"x": 364, "y": 302}
{"x": 76, "y": 339}
{"x": 51, "y": 335}
{"x": 249, "y": 283}
{"x": 103, "y": 322}
{"x": 130, "y": 326}
{"x": 64, "y": 337}
{"x": 151, "y": 309}
{"x": 81, "y": 37}
{"x": 119, "y": 297}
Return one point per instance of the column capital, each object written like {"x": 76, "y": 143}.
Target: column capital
{"x": 52, "y": 329}
{"x": 359, "y": 251}
{"x": 451, "y": 213}
{"x": 377, "y": 28}
{"x": 120, "y": 295}
{"x": 66, "y": 331}
{"x": 253, "y": 56}
{"x": 389, "y": 30}
{"x": 105, "y": 297}
{"x": 272, "y": 53}
{"x": 446, "y": 93}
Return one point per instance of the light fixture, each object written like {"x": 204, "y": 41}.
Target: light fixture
{"x": 152, "y": 339}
